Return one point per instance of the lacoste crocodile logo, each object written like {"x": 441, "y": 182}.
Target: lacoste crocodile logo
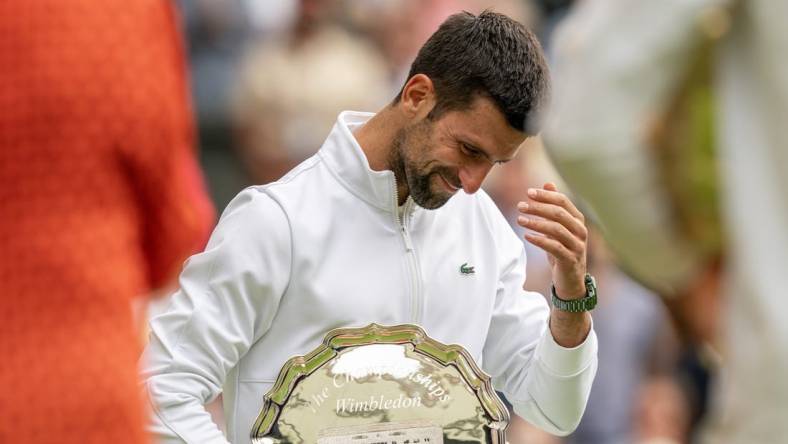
{"x": 465, "y": 269}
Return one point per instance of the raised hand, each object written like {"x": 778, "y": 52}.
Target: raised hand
{"x": 557, "y": 227}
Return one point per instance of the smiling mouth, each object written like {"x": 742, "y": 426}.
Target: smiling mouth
{"x": 448, "y": 184}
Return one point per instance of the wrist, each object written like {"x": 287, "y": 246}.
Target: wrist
{"x": 569, "y": 329}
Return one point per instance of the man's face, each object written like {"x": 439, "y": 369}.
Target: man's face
{"x": 436, "y": 158}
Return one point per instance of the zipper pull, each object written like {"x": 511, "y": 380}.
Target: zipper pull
{"x": 406, "y": 236}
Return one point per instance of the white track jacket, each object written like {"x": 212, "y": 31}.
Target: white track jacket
{"x": 325, "y": 247}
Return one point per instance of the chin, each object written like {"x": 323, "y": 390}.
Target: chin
{"x": 431, "y": 193}
{"x": 434, "y": 200}
{"x": 432, "y": 204}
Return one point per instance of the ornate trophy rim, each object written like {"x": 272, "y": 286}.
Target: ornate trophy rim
{"x": 338, "y": 339}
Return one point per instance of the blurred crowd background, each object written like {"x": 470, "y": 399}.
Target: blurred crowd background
{"x": 267, "y": 79}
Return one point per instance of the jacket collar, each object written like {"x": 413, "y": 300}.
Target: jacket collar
{"x": 345, "y": 158}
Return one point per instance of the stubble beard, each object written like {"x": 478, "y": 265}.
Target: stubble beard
{"x": 407, "y": 169}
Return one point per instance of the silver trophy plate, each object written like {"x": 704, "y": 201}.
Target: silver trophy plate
{"x": 381, "y": 385}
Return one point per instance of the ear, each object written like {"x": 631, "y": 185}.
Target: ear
{"x": 418, "y": 96}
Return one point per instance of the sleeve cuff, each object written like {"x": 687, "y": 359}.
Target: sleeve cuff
{"x": 563, "y": 361}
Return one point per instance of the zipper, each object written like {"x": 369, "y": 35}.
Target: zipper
{"x": 412, "y": 258}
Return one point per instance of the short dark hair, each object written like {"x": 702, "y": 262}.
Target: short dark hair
{"x": 490, "y": 55}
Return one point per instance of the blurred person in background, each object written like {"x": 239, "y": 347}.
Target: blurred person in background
{"x": 216, "y": 33}
{"x": 290, "y": 86}
{"x": 400, "y": 27}
{"x": 670, "y": 120}
{"x": 101, "y": 200}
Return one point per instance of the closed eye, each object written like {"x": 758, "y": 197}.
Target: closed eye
{"x": 477, "y": 154}
{"x": 472, "y": 152}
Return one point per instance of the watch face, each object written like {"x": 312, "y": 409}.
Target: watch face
{"x": 590, "y": 286}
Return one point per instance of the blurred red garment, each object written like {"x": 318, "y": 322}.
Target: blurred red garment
{"x": 101, "y": 199}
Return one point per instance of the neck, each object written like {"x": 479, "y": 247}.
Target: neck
{"x": 376, "y": 138}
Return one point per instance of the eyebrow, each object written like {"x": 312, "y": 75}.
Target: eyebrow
{"x": 485, "y": 153}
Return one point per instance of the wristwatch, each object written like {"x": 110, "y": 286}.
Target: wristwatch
{"x": 586, "y": 303}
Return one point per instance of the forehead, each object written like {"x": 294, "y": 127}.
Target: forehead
{"x": 484, "y": 126}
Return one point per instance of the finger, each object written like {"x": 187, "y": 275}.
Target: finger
{"x": 555, "y": 213}
{"x": 553, "y": 230}
{"x": 550, "y": 186}
{"x": 552, "y": 247}
{"x": 555, "y": 198}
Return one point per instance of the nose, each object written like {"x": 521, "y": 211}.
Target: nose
{"x": 472, "y": 176}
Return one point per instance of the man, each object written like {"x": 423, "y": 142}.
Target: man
{"x": 373, "y": 229}
{"x": 711, "y": 79}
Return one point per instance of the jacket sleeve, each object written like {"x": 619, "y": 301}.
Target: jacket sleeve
{"x": 548, "y": 385}
{"x": 228, "y": 297}
{"x": 635, "y": 54}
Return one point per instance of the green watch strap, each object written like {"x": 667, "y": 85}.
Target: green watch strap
{"x": 586, "y": 303}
